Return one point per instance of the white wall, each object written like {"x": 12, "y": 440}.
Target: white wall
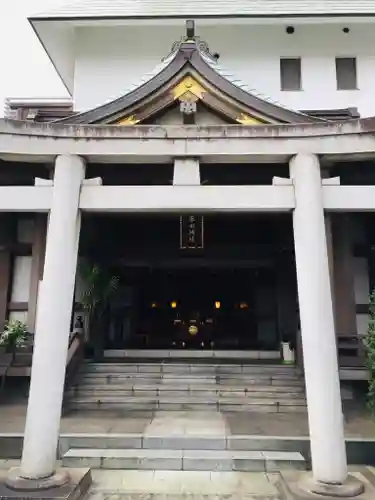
{"x": 21, "y": 279}
{"x": 109, "y": 60}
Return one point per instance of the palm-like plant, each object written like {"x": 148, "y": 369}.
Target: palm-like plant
{"x": 97, "y": 289}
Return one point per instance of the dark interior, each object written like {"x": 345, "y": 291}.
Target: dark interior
{"x": 204, "y": 308}
{"x": 221, "y": 294}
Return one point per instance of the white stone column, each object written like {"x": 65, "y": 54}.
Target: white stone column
{"x": 53, "y": 322}
{"x": 317, "y": 325}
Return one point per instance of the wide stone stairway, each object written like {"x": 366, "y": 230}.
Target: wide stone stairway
{"x": 190, "y": 402}
{"x": 189, "y": 385}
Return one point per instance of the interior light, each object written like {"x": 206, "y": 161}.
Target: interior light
{"x": 154, "y": 305}
{"x": 244, "y": 305}
{"x": 173, "y": 304}
{"x": 217, "y": 304}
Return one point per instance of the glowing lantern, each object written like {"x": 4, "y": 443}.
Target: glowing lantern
{"x": 217, "y": 304}
{"x": 173, "y": 304}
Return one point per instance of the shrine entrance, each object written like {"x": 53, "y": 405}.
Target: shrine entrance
{"x": 235, "y": 290}
{"x": 198, "y": 308}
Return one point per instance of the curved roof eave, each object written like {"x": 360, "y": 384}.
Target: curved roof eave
{"x": 194, "y": 54}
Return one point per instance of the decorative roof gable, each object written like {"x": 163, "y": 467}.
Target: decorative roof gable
{"x": 189, "y": 76}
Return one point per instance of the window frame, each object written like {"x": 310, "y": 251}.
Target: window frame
{"x": 284, "y": 88}
{"x": 351, "y": 58}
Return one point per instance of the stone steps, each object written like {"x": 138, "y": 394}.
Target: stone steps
{"x": 197, "y": 368}
{"x": 269, "y": 405}
{"x": 190, "y": 381}
{"x": 214, "y": 389}
{"x": 187, "y": 386}
{"x": 187, "y": 441}
{"x": 188, "y": 460}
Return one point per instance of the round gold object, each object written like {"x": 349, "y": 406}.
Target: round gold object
{"x": 193, "y": 330}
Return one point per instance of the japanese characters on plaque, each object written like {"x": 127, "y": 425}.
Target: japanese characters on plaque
{"x": 191, "y": 232}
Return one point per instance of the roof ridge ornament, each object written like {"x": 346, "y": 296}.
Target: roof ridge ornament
{"x": 189, "y": 41}
{"x": 190, "y": 29}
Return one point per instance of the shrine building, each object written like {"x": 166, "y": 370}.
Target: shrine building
{"x": 221, "y": 171}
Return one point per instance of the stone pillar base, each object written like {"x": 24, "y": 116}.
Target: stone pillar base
{"x": 350, "y": 489}
{"x": 15, "y": 481}
{"x": 65, "y": 484}
{"x": 301, "y": 486}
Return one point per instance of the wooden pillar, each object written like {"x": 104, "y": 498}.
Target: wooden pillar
{"x": 5, "y": 283}
{"x": 38, "y": 254}
{"x": 286, "y": 297}
{"x": 6, "y": 238}
{"x": 330, "y": 252}
{"x": 345, "y": 303}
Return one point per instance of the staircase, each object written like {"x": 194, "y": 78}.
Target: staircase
{"x": 187, "y": 385}
{"x": 181, "y": 454}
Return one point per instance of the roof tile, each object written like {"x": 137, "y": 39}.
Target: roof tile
{"x": 196, "y": 8}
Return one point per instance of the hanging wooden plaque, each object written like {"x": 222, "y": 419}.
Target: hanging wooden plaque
{"x": 191, "y": 232}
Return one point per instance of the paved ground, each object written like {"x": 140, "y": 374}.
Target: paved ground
{"x": 184, "y": 485}
{"x": 358, "y": 423}
{"x": 132, "y": 484}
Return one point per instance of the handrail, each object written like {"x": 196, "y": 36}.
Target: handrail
{"x": 21, "y": 367}
{"x": 74, "y": 358}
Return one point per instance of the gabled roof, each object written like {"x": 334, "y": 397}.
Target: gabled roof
{"x": 190, "y": 74}
{"x": 133, "y": 9}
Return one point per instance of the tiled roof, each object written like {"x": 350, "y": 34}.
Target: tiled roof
{"x": 197, "y": 8}
{"x": 262, "y": 103}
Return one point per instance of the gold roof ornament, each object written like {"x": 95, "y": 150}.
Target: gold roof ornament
{"x": 188, "y": 89}
{"x": 128, "y": 120}
{"x": 246, "y": 119}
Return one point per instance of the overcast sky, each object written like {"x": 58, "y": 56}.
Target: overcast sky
{"x": 25, "y": 71}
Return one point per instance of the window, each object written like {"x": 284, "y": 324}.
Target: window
{"x": 346, "y": 73}
{"x": 290, "y": 74}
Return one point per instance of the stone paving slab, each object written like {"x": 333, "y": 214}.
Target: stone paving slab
{"x": 358, "y": 424}
{"x": 171, "y": 485}
{"x": 189, "y": 484}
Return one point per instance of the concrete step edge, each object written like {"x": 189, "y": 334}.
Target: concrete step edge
{"x": 188, "y": 401}
{"x": 153, "y": 459}
{"x": 196, "y": 453}
{"x": 193, "y": 366}
{"x": 185, "y": 396}
{"x": 187, "y": 388}
{"x": 244, "y": 442}
{"x": 189, "y": 376}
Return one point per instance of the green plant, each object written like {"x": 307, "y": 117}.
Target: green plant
{"x": 14, "y": 335}
{"x": 369, "y": 343}
{"x": 97, "y": 288}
